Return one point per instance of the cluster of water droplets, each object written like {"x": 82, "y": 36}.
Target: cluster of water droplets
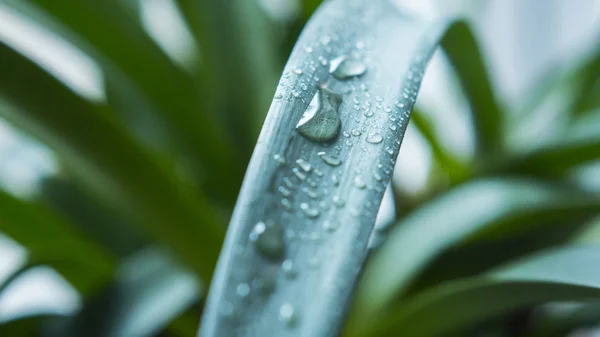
{"x": 307, "y": 192}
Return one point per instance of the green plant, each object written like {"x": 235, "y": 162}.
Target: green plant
{"x": 137, "y": 213}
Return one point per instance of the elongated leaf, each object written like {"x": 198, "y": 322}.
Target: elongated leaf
{"x": 238, "y": 62}
{"x": 587, "y": 97}
{"x": 568, "y": 274}
{"x": 455, "y": 170}
{"x": 462, "y": 51}
{"x": 298, "y": 195}
{"x": 85, "y": 265}
{"x": 502, "y": 205}
{"x": 109, "y": 161}
{"x": 107, "y": 32}
{"x": 149, "y": 291}
{"x": 556, "y": 159}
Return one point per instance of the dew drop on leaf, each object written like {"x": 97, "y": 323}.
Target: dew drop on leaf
{"x": 288, "y": 269}
{"x": 321, "y": 121}
{"x": 287, "y": 314}
{"x": 374, "y": 138}
{"x": 344, "y": 67}
{"x": 268, "y": 240}
{"x": 330, "y": 160}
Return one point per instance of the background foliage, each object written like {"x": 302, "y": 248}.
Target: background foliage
{"x": 148, "y": 173}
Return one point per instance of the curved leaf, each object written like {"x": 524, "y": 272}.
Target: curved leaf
{"x": 568, "y": 274}
{"x": 495, "y": 205}
{"x": 463, "y": 53}
{"x": 85, "y": 265}
{"x": 100, "y": 152}
{"x": 105, "y": 30}
{"x": 348, "y": 178}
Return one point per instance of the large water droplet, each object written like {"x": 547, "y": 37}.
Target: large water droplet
{"x": 287, "y": 314}
{"x": 330, "y": 160}
{"x": 268, "y": 240}
{"x": 345, "y": 67}
{"x": 374, "y": 138}
{"x": 321, "y": 121}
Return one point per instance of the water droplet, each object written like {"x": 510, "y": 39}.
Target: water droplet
{"x": 346, "y": 134}
{"x": 295, "y": 93}
{"x": 377, "y": 176}
{"x": 288, "y": 182}
{"x": 388, "y": 109}
{"x": 323, "y": 60}
{"x": 344, "y": 67}
{"x": 309, "y": 50}
{"x": 356, "y": 133}
{"x": 312, "y": 193}
{"x": 279, "y": 159}
{"x": 321, "y": 121}
{"x": 369, "y": 113}
{"x": 329, "y": 226}
{"x": 330, "y": 160}
{"x": 360, "y": 45}
{"x": 309, "y": 211}
{"x": 325, "y": 40}
{"x": 284, "y": 191}
{"x": 374, "y": 138}
{"x": 268, "y": 240}
{"x": 335, "y": 180}
{"x": 305, "y": 166}
{"x": 358, "y": 182}
{"x": 299, "y": 174}
{"x": 288, "y": 269}
{"x": 287, "y": 314}
{"x": 286, "y": 203}
{"x": 393, "y": 127}
{"x": 298, "y": 71}
{"x": 338, "y": 202}
{"x": 303, "y": 87}
{"x": 243, "y": 290}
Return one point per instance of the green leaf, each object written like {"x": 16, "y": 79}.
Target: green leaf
{"x": 50, "y": 240}
{"x": 462, "y": 50}
{"x": 453, "y": 167}
{"x": 287, "y": 166}
{"x": 588, "y": 85}
{"x": 149, "y": 291}
{"x": 554, "y": 159}
{"x": 238, "y": 69}
{"x": 107, "y": 32}
{"x": 498, "y": 206}
{"x": 109, "y": 161}
{"x": 568, "y": 274}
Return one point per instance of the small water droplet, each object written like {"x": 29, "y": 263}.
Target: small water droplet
{"x": 299, "y": 174}
{"x": 346, "y": 134}
{"x": 309, "y": 50}
{"x": 393, "y": 127}
{"x": 359, "y": 183}
{"x": 335, "y": 180}
{"x": 374, "y": 138}
{"x": 288, "y": 269}
{"x": 303, "y": 87}
{"x": 345, "y": 67}
{"x": 360, "y": 45}
{"x": 226, "y": 309}
{"x": 377, "y": 176}
{"x": 369, "y": 113}
{"x": 288, "y": 182}
{"x": 295, "y": 93}
{"x": 287, "y": 314}
{"x": 356, "y": 133}
{"x": 267, "y": 240}
{"x": 298, "y": 71}
{"x": 305, "y": 166}
{"x": 338, "y": 202}
{"x": 388, "y": 109}
{"x": 329, "y": 226}
{"x": 309, "y": 211}
{"x": 321, "y": 121}
{"x": 286, "y": 203}
{"x": 312, "y": 193}
{"x": 243, "y": 290}
{"x": 279, "y": 159}
{"x": 330, "y": 160}
{"x": 284, "y": 191}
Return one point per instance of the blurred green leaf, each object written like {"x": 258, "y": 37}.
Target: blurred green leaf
{"x": 106, "y": 225}
{"x": 588, "y": 86}
{"x": 99, "y": 151}
{"x": 554, "y": 159}
{"x": 109, "y": 33}
{"x": 48, "y": 239}
{"x": 568, "y": 274}
{"x": 149, "y": 291}
{"x": 462, "y": 50}
{"x": 559, "y": 322}
{"x": 502, "y": 204}
{"x": 238, "y": 68}
{"x": 455, "y": 169}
